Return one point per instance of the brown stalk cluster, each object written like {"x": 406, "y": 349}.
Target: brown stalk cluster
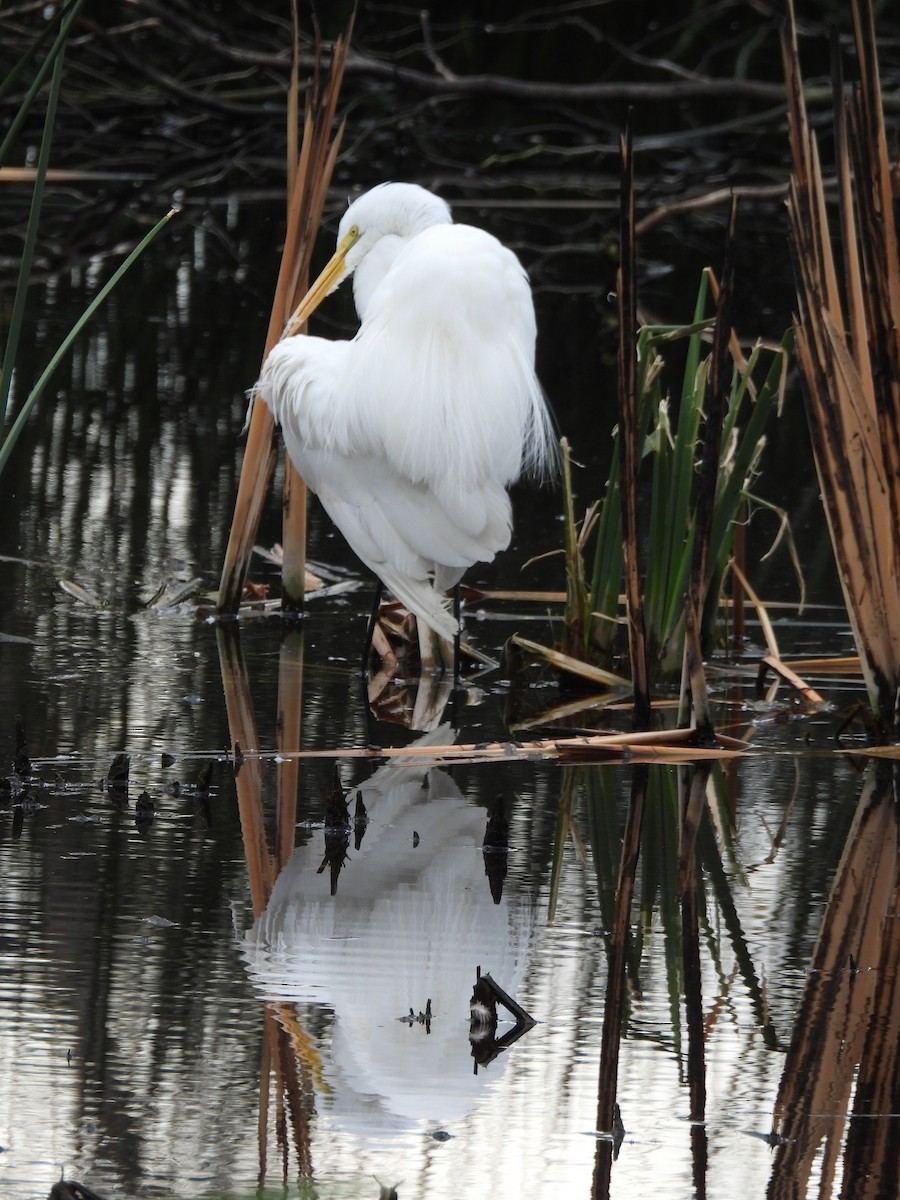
{"x": 849, "y": 353}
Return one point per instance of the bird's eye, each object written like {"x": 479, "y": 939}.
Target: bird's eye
{"x": 354, "y": 231}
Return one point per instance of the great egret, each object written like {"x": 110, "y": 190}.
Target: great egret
{"x": 411, "y": 432}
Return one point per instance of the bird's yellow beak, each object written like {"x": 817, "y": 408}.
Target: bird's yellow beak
{"x": 330, "y": 278}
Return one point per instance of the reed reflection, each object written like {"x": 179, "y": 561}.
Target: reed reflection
{"x": 670, "y": 845}
{"x": 286, "y": 1057}
{"x": 841, "y": 1081}
{"x": 609, "y": 1121}
{"x": 392, "y": 927}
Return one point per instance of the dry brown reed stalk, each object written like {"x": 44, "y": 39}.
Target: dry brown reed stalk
{"x": 844, "y": 665}
{"x": 572, "y": 666}
{"x": 308, "y": 189}
{"x": 577, "y": 612}
{"x": 849, "y": 354}
{"x": 666, "y": 745}
{"x": 783, "y": 671}
{"x": 626, "y": 291}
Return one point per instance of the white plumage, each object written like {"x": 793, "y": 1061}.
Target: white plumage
{"x": 411, "y": 432}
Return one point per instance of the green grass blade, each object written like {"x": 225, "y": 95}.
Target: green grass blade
{"x": 671, "y": 498}
{"x": 576, "y": 620}
{"x": 69, "y": 14}
{"x": 55, "y": 59}
{"x": 12, "y": 75}
{"x": 732, "y": 486}
{"x": 34, "y": 216}
{"x": 671, "y": 557}
{"x": 19, "y": 423}
{"x": 670, "y": 518}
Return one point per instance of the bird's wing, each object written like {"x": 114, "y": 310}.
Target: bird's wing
{"x": 353, "y": 495}
{"x": 404, "y": 523}
{"x": 445, "y": 362}
{"x": 401, "y": 528}
{"x": 403, "y": 532}
{"x": 302, "y": 382}
{"x": 414, "y": 522}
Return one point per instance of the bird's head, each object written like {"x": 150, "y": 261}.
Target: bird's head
{"x": 387, "y": 216}
{"x": 396, "y": 210}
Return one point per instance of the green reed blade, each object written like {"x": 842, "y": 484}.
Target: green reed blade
{"x": 34, "y": 216}
{"x": 19, "y": 423}
{"x": 67, "y": 17}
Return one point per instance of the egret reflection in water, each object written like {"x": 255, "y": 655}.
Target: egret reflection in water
{"x": 411, "y": 921}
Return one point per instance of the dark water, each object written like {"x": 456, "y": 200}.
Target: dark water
{"x": 171, "y": 1029}
{"x": 152, "y": 1026}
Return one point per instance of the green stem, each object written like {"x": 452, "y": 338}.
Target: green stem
{"x": 19, "y": 423}
{"x": 69, "y": 13}
{"x": 37, "y": 199}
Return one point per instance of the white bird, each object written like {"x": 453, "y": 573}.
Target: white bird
{"x": 411, "y": 432}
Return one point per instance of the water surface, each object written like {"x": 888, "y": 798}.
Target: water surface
{"x": 188, "y": 1005}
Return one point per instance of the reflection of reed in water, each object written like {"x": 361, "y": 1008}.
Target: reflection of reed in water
{"x": 845, "y": 1050}
{"x": 411, "y": 920}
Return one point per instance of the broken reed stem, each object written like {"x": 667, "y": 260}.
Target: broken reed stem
{"x": 626, "y": 290}
{"x": 694, "y": 705}
{"x": 293, "y": 540}
{"x": 308, "y": 191}
{"x": 256, "y": 472}
{"x": 739, "y": 557}
{"x": 720, "y": 379}
{"x": 576, "y": 614}
{"x": 693, "y": 677}
{"x": 293, "y": 101}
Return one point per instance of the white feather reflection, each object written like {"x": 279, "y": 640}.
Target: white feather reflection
{"x": 411, "y": 920}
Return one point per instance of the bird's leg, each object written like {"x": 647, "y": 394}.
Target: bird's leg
{"x": 427, "y": 640}
{"x": 370, "y": 629}
{"x": 435, "y": 652}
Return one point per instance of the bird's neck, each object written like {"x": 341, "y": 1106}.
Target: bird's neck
{"x": 373, "y": 268}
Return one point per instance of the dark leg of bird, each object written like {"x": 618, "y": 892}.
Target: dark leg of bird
{"x": 370, "y": 629}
